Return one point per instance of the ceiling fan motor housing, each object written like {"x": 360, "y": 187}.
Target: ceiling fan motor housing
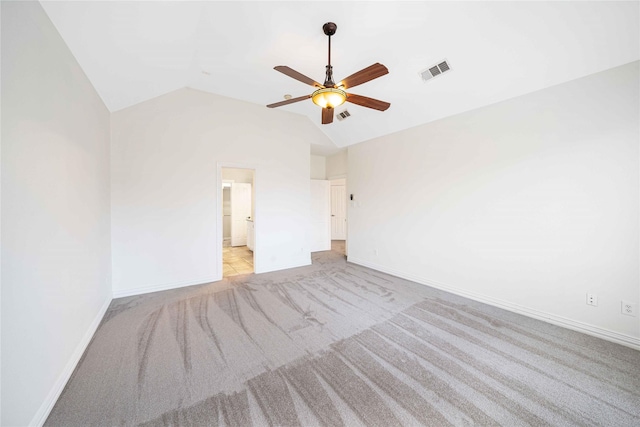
{"x": 328, "y": 79}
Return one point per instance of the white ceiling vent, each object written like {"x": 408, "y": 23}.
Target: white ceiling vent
{"x": 435, "y": 70}
{"x": 343, "y": 115}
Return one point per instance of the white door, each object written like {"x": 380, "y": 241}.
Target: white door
{"x": 338, "y": 212}
{"x": 240, "y": 211}
{"x": 320, "y": 215}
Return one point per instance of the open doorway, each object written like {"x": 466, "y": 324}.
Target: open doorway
{"x": 339, "y": 215}
{"x": 238, "y": 215}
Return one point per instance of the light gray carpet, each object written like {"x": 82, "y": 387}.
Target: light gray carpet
{"x": 336, "y": 344}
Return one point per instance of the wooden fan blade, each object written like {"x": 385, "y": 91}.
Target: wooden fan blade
{"x": 296, "y": 75}
{"x": 327, "y": 116}
{"x": 376, "y": 104}
{"x": 289, "y": 101}
{"x": 371, "y": 72}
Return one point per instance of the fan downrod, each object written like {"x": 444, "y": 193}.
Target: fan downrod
{"x": 329, "y": 29}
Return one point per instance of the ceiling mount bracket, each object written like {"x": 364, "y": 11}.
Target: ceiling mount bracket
{"x": 329, "y": 28}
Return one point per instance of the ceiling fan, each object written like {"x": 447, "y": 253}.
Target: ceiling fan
{"x": 330, "y": 95}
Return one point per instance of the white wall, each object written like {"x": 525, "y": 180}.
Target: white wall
{"x": 337, "y": 165}
{"x": 529, "y": 203}
{"x": 318, "y": 167}
{"x": 165, "y": 157}
{"x": 56, "y": 280}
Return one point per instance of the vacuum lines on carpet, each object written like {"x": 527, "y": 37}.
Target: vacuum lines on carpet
{"x": 335, "y": 344}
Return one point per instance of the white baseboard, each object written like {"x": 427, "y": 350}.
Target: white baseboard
{"x": 54, "y": 394}
{"x": 163, "y": 287}
{"x": 166, "y": 286}
{"x": 273, "y": 268}
{"x": 575, "y": 325}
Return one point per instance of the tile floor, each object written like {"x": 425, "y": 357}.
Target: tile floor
{"x": 338, "y": 246}
{"x": 236, "y": 260}
{"x": 239, "y": 259}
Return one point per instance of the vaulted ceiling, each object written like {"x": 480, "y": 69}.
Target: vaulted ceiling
{"x": 135, "y": 51}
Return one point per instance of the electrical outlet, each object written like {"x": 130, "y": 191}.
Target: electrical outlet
{"x": 629, "y": 308}
{"x": 592, "y": 299}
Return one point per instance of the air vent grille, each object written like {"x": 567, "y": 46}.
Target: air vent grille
{"x": 435, "y": 70}
{"x": 343, "y": 115}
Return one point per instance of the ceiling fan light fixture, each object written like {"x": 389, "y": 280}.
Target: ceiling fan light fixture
{"x": 329, "y": 97}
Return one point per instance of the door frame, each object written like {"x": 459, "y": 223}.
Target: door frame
{"x": 257, "y": 263}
